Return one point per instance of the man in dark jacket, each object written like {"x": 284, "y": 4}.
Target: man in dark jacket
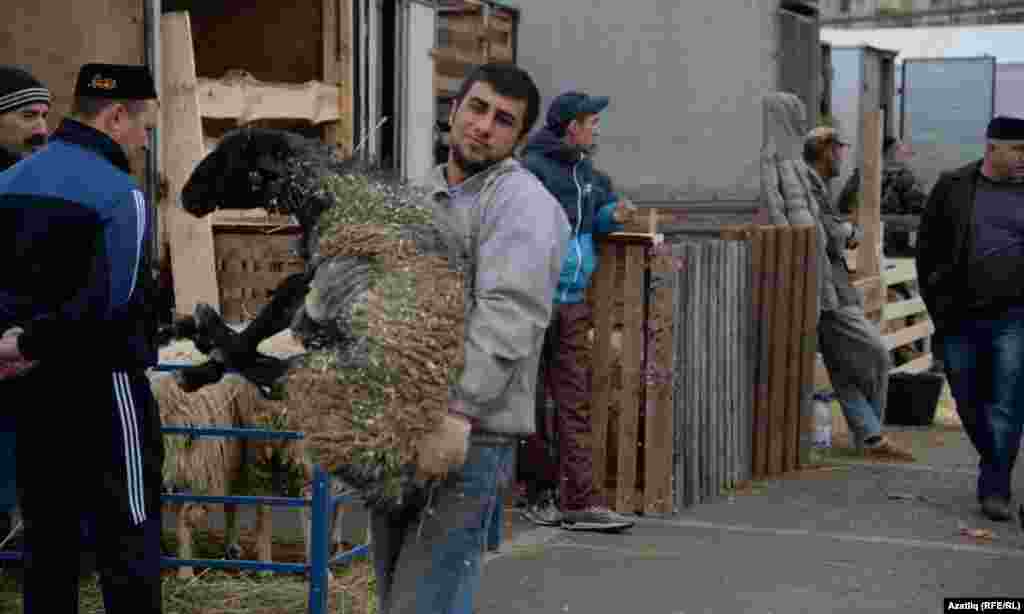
{"x": 560, "y": 157}
{"x": 74, "y": 303}
{"x": 970, "y": 255}
{"x": 24, "y": 106}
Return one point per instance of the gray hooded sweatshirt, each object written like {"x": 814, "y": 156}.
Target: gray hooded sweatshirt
{"x": 795, "y": 195}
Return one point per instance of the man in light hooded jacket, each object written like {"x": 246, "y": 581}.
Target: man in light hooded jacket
{"x": 795, "y": 189}
{"x": 560, "y": 156}
{"x": 511, "y": 236}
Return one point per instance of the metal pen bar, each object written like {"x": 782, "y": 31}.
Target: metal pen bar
{"x": 278, "y": 501}
{"x": 241, "y": 433}
{"x": 348, "y": 555}
{"x": 169, "y": 562}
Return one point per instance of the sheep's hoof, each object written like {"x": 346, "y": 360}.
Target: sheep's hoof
{"x": 233, "y": 552}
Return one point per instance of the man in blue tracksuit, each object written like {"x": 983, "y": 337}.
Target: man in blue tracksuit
{"x": 560, "y": 157}
{"x": 75, "y": 305}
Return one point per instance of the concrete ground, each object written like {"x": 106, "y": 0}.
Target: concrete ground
{"x": 851, "y": 537}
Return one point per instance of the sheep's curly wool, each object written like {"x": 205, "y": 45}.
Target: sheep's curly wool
{"x": 383, "y": 319}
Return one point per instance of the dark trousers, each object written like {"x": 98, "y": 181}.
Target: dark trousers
{"x": 89, "y": 454}
{"x": 984, "y": 362}
{"x": 565, "y": 375}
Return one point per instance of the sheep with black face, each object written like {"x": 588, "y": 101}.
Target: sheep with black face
{"x": 379, "y": 309}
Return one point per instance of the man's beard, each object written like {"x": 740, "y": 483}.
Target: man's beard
{"x": 470, "y": 167}
{"x": 33, "y": 144}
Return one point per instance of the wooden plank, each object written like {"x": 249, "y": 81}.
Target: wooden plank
{"x": 243, "y": 98}
{"x": 870, "y": 210}
{"x": 872, "y": 291}
{"x": 780, "y": 333}
{"x": 909, "y": 334}
{"x": 728, "y": 362}
{"x": 632, "y": 347}
{"x": 603, "y": 290}
{"x": 918, "y": 365}
{"x": 715, "y": 381}
{"x": 901, "y": 309}
{"x": 748, "y": 358}
{"x": 901, "y": 270}
{"x": 454, "y": 62}
{"x": 681, "y": 369}
{"x": 767, "y": 295}
{"x": 791, "y": 441}
{"x": 809, "y": 347}
{"x": 337, "y": 71}
{"x": 659, "y": 451}
{"x": 191, "y": 239}
{"x": 695, "y": 317}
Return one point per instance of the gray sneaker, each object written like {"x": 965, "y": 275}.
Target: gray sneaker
{"x": 544, "y": 513}
{"x": 595, "y": 518}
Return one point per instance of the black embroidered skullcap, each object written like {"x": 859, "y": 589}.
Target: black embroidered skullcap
{"x": 120, "y": 81}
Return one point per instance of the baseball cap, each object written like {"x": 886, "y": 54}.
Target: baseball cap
{"x": 570, "y": 105}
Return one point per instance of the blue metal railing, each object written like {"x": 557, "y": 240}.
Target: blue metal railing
{"x": 323, "y": 505}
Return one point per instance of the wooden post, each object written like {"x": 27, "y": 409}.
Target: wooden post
{"x": 659, "y": 438}
{"x": 632, "y": 375}
{"x": 809, "y": 346}
{"x": 337, "y": 70}
{"x": 193, "y": 260}
{"x": 603, "y": 291}
{"x": 869, "y": 263}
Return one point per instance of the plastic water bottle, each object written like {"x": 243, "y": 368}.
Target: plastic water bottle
{"x": 822, "y": 424}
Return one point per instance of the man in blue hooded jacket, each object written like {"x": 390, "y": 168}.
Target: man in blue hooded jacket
{"x": 560, "y": 156}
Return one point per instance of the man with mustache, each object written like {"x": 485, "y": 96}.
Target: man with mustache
{"x": 969, "y": 259}
{"x": 513, "y": 236}
{"x": 24, "y": 106}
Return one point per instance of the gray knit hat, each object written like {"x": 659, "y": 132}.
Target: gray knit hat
{"x": 18, "y": 88}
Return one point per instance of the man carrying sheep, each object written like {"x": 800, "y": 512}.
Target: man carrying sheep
{"x": 75, "y": 308}
{"x": 428, "y": 559}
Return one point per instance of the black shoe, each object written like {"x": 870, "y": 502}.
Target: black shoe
{"x": 544, "y": 513}
{"x": 595, "y": 518}
{"x": 996, "y": 509}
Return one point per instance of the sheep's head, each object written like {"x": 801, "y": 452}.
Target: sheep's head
{"x": 279, "y": 171}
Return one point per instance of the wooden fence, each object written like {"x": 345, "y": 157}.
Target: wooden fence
{"x": 703, "y": 363}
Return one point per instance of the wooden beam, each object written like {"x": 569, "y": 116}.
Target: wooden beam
{"x": 870, "y": 210}
{"x": 191, "y": 239}
{"x": 603, "y": 290}
{"x": 918, "y": 365}
{"x": 632, "y": 379}
{"x": 902, "y": 309}
{"x": 908, "y": 335}
{"x": 901, "y": 271}
{"x": 874, "y": 294}
{"x": 245, "y": 99}
{"x": 337, "y": 72}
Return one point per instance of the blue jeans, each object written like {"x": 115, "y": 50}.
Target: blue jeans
{"x": 862, "y": 418}
{"x": 984, "y": 361}
{"x": 428, "y": 561}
